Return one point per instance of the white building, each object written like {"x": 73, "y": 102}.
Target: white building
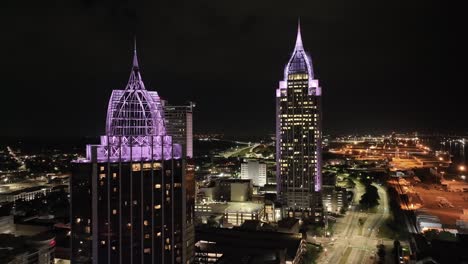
{"x": 26, "y": 194}
{"x": 426, "y": 221}
{"x": 255, "y": 171}
{"x": 334, "y": 198}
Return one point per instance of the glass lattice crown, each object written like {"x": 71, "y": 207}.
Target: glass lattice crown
{"x": 135, "y": 111}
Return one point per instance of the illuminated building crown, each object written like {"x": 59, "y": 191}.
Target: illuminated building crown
{"x": 300, "y": 61}
{"x": 135, "y": 111}
{"x": 135, "y": 126}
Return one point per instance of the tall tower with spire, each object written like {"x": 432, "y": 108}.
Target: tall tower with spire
{"x": 299, "y": 137}
{"x": 128, "y": 195}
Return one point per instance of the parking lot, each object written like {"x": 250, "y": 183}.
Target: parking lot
{"x": 446, "y": 205}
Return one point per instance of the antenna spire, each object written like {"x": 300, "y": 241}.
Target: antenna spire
{"x": 299, "y": 37}
{"x": 135, "y": 57}
{"x": 135, "y": 82}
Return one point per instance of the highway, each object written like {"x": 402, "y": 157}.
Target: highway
{"x": 233, "y": 152}
{"x": 18, "y": 159}
{"x": 353, "y": 243}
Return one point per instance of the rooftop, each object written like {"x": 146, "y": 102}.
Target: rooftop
{"x": 12, "y": 246}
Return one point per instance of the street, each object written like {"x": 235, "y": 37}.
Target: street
{"x": 355, "y": 243}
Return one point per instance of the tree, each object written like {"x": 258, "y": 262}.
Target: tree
{"x": 370, "y": 198}
{"x": 433, "y": 234}
{"x": 351, "y": 183}
{"x": 381, "y": 253}
{"x": 360, "y": 221}
{"x": 447, "y": 236}
{"x": 396, "y": 245}
{"x": 342, "y": 210}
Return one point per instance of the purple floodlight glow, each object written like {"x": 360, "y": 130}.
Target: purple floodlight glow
{"x": 134, "y": 111}
{"x": 318, "y": 176}
{"x": 300, "y": 60}
{"x": 134, "y": 148}
{"x": 135, "y": 126}
{"x": 314, "y": 88}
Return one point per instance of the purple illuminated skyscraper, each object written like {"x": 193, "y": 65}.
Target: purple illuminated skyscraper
{"x": 129, "y": 195}
{"x": 299, "y": 137}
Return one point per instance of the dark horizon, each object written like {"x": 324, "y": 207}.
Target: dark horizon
{"x": 396, "y": 66}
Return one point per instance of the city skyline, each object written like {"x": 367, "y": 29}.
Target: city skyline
{"x": 385, "y": 67}
{"x": 262, "y": 132}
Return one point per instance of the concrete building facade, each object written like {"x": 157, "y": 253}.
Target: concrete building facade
{"x": 254, "y": 170}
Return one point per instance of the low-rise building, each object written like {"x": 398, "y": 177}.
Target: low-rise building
{"x": 26, "y": 194}
{"x": 334, "y": 198}
{"x": 227, "y": 190}
{"x": 229, "y": 214}
{"x": 38, "y": 249}
{"x": 246, "y": 246}
{"x": 289, "y": 225}
{"x": 237, "y": 213}
{"x": 426, "y": 222}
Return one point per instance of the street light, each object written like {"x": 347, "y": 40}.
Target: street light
{"x": 462, "y": 168}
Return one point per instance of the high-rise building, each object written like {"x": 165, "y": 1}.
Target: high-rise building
{"x": 298, "y": 136}
{"x": 129, "y": 195}
{"x": 179, "y": 124}
{"x": 254, "y": 170}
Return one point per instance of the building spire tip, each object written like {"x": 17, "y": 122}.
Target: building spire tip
{"x": 299, "y": 37}
{"x": 134, "y": 43}
{"x": 135, "y": 57}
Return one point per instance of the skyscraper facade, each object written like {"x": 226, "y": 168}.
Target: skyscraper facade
{"x": 298, "y": 136}
{"x": 179, "y": 124}
{"x": 128, "y": 196}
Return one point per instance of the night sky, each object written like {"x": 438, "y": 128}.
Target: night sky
{"x": 383, "y": 65}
